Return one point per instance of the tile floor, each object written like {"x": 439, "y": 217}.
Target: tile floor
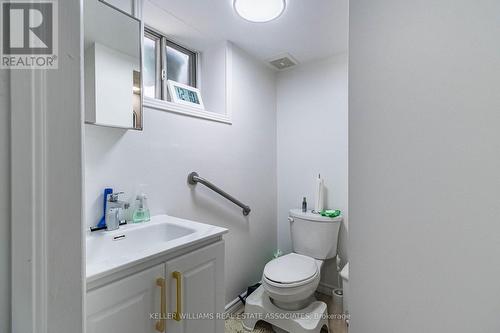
{"x": 233, "y": 325}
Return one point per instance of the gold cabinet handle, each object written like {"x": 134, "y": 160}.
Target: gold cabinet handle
{"x": 178, "y": 277}
{"x": 160, "y": 324}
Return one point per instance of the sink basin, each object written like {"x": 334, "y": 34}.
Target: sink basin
{"x": 132, "y": 239}
{"x": 109, "y": 251}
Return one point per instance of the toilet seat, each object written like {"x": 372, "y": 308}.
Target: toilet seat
{"x": 291, "y": 270}
{"x": 290, "y": 281}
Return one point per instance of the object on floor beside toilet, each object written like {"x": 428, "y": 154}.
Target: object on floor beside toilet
{"x": 318, "y": 195}
{"x": 344, "y": 274}
{"x": 277, "y": 253}
{"x": 250, "y": 290}
{"x": 304, "y": 205}
{"x": 310, "y": 319}
{"x": 338, "y": 301}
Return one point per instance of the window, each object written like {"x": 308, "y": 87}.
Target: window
{"x": 163, "y": 60}
{"x": 166, "y": 60}
{"x": 151, "y": 76}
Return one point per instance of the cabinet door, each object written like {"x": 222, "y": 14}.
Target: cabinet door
{"x": 125, "y": 306}
{"x": 196, "y": 288}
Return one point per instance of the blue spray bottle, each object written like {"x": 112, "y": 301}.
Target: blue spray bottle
{"x": 102, "y": 222}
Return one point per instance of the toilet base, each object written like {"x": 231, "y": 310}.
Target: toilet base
{"x": 308, "y": 320}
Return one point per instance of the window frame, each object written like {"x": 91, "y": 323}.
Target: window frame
{"x": 158, "y": 65}
{"x": 161, "y": 90}
{"x": 193, "y": 60}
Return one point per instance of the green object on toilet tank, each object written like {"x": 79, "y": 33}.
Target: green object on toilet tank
{"x": 330, "y": 213}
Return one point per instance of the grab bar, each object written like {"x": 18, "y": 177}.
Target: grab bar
{"x": 194, "y": 178}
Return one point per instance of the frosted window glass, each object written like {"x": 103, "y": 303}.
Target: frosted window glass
{"x": 149, "y": 78}
{"x": 178, "y": 66}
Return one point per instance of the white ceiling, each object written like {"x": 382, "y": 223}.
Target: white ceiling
{"x": 308, "y": 29}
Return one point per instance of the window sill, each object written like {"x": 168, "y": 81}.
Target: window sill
{"x": 162, "y": 105}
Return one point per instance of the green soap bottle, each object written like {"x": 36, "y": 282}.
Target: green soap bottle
{"x": 141, "y": 212}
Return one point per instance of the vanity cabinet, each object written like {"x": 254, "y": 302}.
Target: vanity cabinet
{"x": 124, "y": 306}
{"x": 196, "y": 290}
{"x": 184, "y": 293}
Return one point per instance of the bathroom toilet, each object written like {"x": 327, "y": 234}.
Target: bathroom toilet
{"x": 291, "y": 280}
{"x": 286, "y": 297}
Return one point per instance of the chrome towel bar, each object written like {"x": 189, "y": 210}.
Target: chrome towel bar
{"x": 194, "y": 178}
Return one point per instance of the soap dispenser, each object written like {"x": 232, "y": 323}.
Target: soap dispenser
{"x": 141, "y": 212}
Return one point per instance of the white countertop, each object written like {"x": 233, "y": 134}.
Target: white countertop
{"x": 111, "y": 251}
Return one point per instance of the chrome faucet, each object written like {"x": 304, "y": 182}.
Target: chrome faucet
{"x": 113, "y": 209}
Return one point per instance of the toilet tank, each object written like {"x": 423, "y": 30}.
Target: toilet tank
{"x": 314, "y": 235}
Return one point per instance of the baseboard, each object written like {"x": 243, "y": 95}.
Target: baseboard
{"x": 235, "y": 305}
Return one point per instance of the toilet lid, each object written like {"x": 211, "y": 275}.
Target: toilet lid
{"x": 291, "y": 268}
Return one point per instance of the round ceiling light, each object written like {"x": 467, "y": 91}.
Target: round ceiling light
{"x": 259, "y": 11}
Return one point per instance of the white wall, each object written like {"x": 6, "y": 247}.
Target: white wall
{"x": 424, "y": 143}
{"x": 240, "y": 158}
{"x": 4, "y": 201}
{"x": 312, "y": 139}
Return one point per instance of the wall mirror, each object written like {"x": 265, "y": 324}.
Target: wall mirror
{"x": 113, "y": 60}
